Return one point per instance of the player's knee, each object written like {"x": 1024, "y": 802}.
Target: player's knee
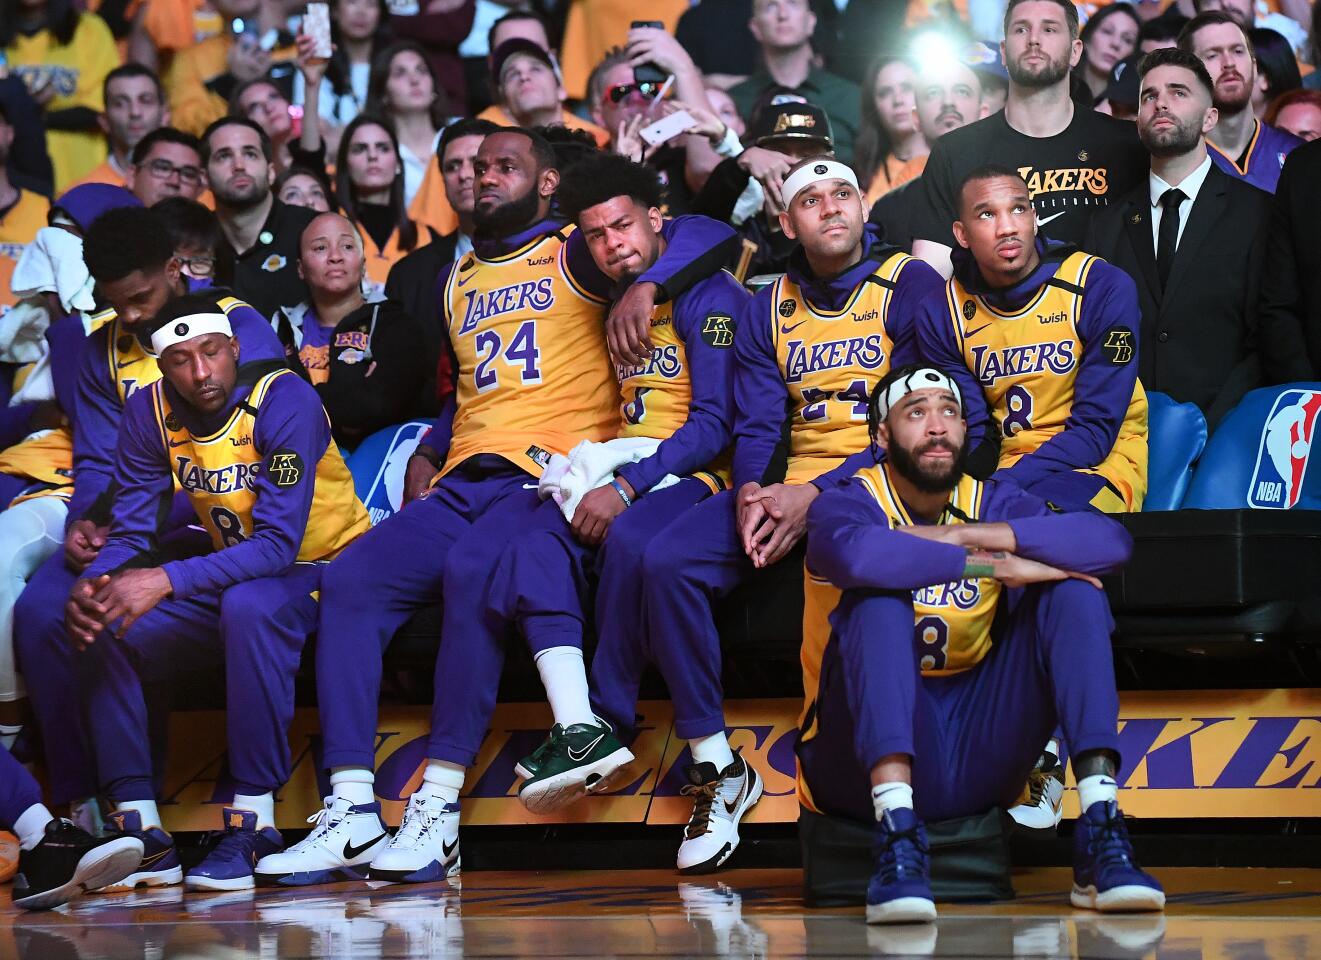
{"x": 663, "y": 560}
{"x": 1073, "y": 598}
{"x": 874, "y": 617}
{"x": 244, "y": 607}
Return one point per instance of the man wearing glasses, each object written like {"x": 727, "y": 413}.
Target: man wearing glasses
{"x": 166, "y": 163}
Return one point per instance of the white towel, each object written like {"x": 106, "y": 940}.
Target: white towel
{"x": 590, "y": 465}
{"x": 23, "y": 332}
{"x": 53, "y": 263}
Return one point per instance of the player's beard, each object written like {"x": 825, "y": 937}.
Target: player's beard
{"x": 1046, "y": 75}
{"x": 909, "y": 467}
{"x": 1175, "y": 141}
{"x": 508, "y": 217}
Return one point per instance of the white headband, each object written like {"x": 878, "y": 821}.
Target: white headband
{"x": 186, "y": 328}
{"x": 812, "y": 173}
{"x": 917, "y": 380}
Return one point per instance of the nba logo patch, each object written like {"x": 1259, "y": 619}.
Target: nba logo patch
{"x": 1284, "y": 451}
{"x": 379, "y": 465}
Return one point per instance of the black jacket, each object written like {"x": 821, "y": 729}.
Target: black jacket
{"x": 1291, "y": 281}
{"x": 1199, "y": 341}
{"x": 376, "y": 368}
{"x": 412, "y": 284}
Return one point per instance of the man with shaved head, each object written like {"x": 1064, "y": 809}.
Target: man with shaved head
{"x": 361, "y": 356}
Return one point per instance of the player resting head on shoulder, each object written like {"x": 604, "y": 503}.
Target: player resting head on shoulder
{"x": 824, "y": 211}
{"x": 515, "y": 178}
{"x": 997, "y": 224}
{"x": 616, "y": 204}
{"x": 197, "y": 351}
{"x": 915, "y": 415}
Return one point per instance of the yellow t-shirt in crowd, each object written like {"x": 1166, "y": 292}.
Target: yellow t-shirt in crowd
{"x": 77, "y": 70}
{"x": 18, "y": 227}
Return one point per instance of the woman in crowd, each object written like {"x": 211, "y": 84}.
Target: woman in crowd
{"x": 262, "y": 102}
{"x": 359, "y": 31}
{"x": 889, "y": 140}
{"x": 361, "y": 354}
{"x": 303, "y": 187}
{"x": 1277, "y": 70}
{"x": 403, "y": 91}
{"x": 63, "y": 57}
{"x": 1111, "y": 35}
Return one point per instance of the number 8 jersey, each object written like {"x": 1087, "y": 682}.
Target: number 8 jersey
{"x": 534, "y": 374}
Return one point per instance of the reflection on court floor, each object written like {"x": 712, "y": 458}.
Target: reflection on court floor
{"x": 1213, "y": 915}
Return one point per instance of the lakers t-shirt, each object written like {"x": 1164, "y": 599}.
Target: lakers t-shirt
{"x": 1070, "y": 176}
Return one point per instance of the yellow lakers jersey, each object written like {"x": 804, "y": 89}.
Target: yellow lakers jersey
{"x": 218, "y": 473}
{"x": 1027, "y": 364}
{"x": 830, "y": 363}
{"x": 131, "y": 367}
{"x": 656, "y": 396}
{"x": 534, "y": 374}
{"x": 951, "y": 621}
{"x": 18, "y": 228}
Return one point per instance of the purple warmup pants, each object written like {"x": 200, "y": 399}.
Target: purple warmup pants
{"x": 443, "y": 546}
{"x": 974, "y": 736}
{"x": 48, "y": 660}
{"x": 18, "y": 790}
{"x": 256, "y": 629}
{"x": 543, "y": 583}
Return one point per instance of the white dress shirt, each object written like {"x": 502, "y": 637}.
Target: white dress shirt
{"x": 1190, "y": 185}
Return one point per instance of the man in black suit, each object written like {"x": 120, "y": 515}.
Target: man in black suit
{"x": 1193, "y": 239}
{"x": 412, "y": 281}
{"x": 1291, "y": 282}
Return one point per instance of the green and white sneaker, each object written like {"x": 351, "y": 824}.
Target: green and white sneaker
{"x": 573, "y": 762}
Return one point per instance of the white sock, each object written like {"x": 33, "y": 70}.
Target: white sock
{"x": 9, "y": 734}
{"x": 354, "y": 784}
{"x": 262, "y": 804}
{"x": 1096, "y": 788}
{"x": 151, "y": 817}
{"x": 30, "y": 826}
{"x": 713, "y": 749}
{"x": 891, "y": 796}
{"x": 565, "y": 679}
{"x": 443, "y": 780}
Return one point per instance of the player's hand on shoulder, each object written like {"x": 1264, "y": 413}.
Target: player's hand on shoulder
{"x": 628, "y": 328}
{"x": 82, "y": 543}
{"x": 129, "y": 595}
{"x": 596, "y": 511}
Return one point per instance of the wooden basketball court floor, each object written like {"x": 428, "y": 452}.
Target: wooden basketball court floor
{"x": 1213, "y": 914}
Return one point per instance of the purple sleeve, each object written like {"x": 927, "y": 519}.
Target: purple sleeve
{"x": 95, "y": 426}
{"x": 257, "y": 338}
{"x": 851, "y": 544}
{"x": 707, "y": 430}
{"x": 696, "y": 247}
{"x": 842, "y": 474}
{"x": 438, "y": 437}
{"x": 442, "y": 431}
{"x": 1103, "y": 389}
{"x": 761, "y": 399}
{"x": 1085, "y": 541}
{"x": 66, "y": 337}
{"x": 937, "y": 344}
{"x": 291, "y": 420}
{"x": 144, "y": 488}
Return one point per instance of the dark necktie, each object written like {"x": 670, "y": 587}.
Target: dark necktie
{"x": 1168, "y": 233}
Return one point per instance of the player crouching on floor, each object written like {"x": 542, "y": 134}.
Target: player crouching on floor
{"x": 951, "y": 624}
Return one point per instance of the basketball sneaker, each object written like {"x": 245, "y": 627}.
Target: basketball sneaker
{"x": 1042, "y": 806}
{"x": 343, "y": 840}
{"x": 230, "y": 865}
{"x": 426, "y": 846}
{"x": 900, "y": 889}
{"x": 160, "y": 861}
{"x": 69, "y": 861}
{"x": 1106, "y": 875}
{"x": 720, "y": 799}
{"x": 577, "y": 760}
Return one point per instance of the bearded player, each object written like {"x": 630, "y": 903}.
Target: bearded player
{"x": 933, "y": 600}
{"x": 523, "y": 315}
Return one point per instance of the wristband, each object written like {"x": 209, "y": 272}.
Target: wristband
{"x": 427, "y": 454}
{"x": 623, "y": 494}
{"x": 978, "y": 569}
